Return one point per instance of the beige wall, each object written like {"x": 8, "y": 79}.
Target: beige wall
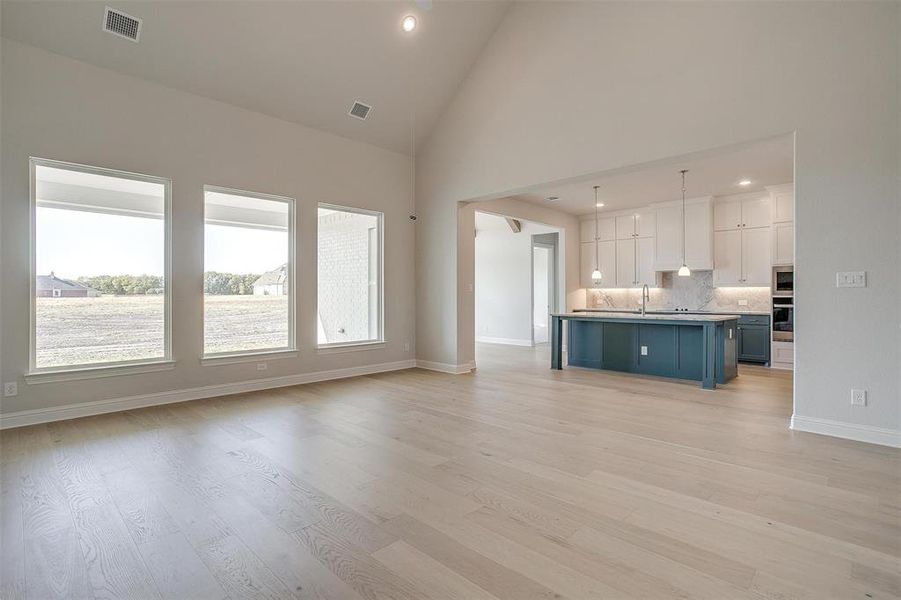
{"x": 569, "y": 89}
{"x": 55, "y": 107}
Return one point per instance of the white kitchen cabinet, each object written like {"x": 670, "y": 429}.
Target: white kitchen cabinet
{"x": 640, "y": 224}
{"x": 783, "y": 244}
{"x": 742, "y": 257}
{"x": 606, "y": 229}
{"x": 755, "y": 212}
{"x": 727, "y": 214}
{"x": 783, "y": 199}
{"x": 698, "y": 236}
{"x": 644, "y": 262}
{"x": 755, "y": 257}
{"x": 782, "y": 355}
{"x": 606, "y": 264}
{"x": 727, "y": 257}
{"x": 625, "y": 263}
{"x": 742, "y": 212}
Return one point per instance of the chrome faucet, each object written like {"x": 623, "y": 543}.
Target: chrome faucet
{"x": 645, "y": 298}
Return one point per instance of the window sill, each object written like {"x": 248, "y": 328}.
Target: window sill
{"x": 350, "y": 347}
{"x": 57, "y": 375}
{"x": 245, "y": 357}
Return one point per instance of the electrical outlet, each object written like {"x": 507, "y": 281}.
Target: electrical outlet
{"x": 10, "y": 388}
{"x": 742, "y": 302}
{"x": 406, "y": 346}
{"x": 851, "y": 279}
{"x": 644, "y": 350}
{"x": 262, "y": 366}
{"x": 858, "y": 397}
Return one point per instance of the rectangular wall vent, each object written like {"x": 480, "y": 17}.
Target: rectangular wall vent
{"x": 359, "y": 110}
{"x": 121, "y": 24}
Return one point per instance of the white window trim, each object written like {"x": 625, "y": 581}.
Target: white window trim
{"x": 335, "y": 347}
{"x": 251, "y": 355}
{"x": 90, "y": 370}
{"x": 232, "y": 358}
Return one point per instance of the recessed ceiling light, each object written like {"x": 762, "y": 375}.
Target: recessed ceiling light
{"x": 552, "y": 198}
{"x": 599, "y": 204}
{"x": 744, "y": 182}
{"x": 409, "y": 23}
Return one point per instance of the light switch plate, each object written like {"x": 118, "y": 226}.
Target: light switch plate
{"x": 851, "y": 279}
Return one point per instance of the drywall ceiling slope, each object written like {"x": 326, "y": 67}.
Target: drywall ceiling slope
{"x": 304, "y": 62}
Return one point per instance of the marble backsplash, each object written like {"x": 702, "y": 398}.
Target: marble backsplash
{"x": 696, "y": 292}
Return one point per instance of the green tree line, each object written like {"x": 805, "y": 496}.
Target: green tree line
{"x": 215, "y": 283}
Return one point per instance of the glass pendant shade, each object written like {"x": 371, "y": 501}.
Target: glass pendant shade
{"x": 596, "y": 276}
{"x": 684, "y": 271}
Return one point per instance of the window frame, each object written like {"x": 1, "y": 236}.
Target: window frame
{"x": 99, "y": 369}
{"x": 379, "y": 340}
{"x": 235, "y": 356}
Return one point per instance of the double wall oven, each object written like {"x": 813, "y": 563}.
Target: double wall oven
{"x": 783, "y": 304}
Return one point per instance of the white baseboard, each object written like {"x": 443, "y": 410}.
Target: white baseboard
{"x": 850, "y": 431}
{"x": 97, "y": 407}
{"x": 445, "y": 367}
{"x": 506, "y": 341}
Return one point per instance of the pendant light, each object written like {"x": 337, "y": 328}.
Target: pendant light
{"x": 684, "y": 271}
{"x": 596, "y": 274}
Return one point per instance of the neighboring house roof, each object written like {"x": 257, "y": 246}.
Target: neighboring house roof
{"x": 52, "y": 282}
{"x": 279, "y": 275}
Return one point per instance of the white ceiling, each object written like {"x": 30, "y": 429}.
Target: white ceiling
{"x": 711, "y": 173}
{"x": 304, "y": 62}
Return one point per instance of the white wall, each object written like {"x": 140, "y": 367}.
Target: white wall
{"x": 570, "y": 89}
{"x": 503, "y": 280}
{"x": 58, "y": 108}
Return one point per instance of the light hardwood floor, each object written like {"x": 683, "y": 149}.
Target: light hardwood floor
{"x": 515, "y": 482}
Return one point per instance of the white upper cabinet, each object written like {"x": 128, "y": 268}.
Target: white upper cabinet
{"x": 783, "y": 244}
{"x": 727, "y": 214}
{"x": 646, "y": 224}
{"x": 606, "y": 229}
{"x": 742, "y": 212}
{"x": 640, "y": 224}
{"x": 626, "y": 274}
{"x": 727, "y": 257}
{"x": 755, "y": 256}
{"x": 783, "y": 198}
{"x": 606, "y": 260}
{"x": 698, "y": 236}
{"x": 742, "y": 257}
{"x": 625, "y": 227}
{"x": 644, "y": 263}
{"x": 755, "y": 212}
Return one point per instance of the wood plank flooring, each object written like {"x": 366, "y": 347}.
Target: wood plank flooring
{"x": 515, "y": 482}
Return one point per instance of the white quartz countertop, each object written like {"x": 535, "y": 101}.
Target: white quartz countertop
{"x": 705, "y": 317}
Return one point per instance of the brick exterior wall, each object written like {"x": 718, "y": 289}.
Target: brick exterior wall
{"x": 347, "y": 301}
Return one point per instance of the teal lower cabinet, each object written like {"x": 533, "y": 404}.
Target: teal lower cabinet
{"x": 700, "y": 350}
{"x": 754, "y": 339}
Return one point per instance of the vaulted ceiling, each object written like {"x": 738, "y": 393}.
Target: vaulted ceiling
{"x": 304, "y": 62}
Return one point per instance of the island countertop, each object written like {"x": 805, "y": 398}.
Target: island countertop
{"x": 703, "y": 318}
{"x": 666, "y": 311}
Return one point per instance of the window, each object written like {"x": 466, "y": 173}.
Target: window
{"x": 350, "y": 276}
{"x": 248, "y": 279}
{"x": 100, "y": 276}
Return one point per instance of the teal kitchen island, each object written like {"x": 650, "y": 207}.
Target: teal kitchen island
{"x": 689, "y": 346}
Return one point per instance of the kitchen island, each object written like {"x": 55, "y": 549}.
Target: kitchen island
{"x": 698, "y": 347}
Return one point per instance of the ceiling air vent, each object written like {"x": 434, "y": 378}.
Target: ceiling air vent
{"x": 121, "y": 24}
{"x": 360, "y": 110}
